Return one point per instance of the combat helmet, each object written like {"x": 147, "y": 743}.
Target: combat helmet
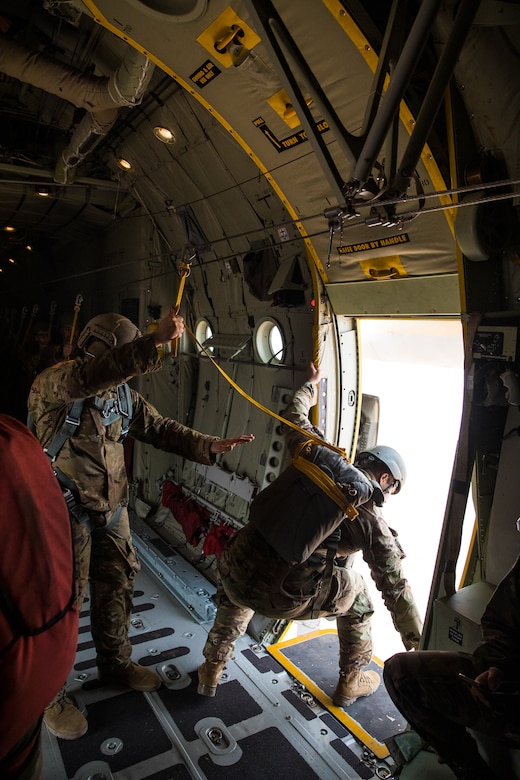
{"x": 391, "y": 459}
{"x": 112, "y": 329}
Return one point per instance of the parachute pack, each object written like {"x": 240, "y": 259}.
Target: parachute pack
{"x": 304, "y": 507}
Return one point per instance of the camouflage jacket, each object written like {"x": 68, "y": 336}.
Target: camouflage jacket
{"x": 369, "y": 533}
{"x": 94, "y": 457}
{"x": 501, "y": 628}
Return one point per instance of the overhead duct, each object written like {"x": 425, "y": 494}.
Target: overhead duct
{"x": 100, "y": 96}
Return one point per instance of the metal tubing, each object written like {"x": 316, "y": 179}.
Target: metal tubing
{"x": 433, "y": 98}
{"x": 276, "y": 36}
{"x": 401, "y": 76}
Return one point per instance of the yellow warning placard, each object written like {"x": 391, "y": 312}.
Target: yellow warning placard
{"x": 374, "y": 245}
{"x": 206, "y": 73}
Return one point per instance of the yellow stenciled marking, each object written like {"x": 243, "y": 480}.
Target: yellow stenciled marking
{"x": 103, "y": 22}
{"x": 276, "y": 650}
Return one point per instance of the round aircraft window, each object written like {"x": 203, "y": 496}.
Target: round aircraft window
{"x": 203, "y": 332}
{"x": 269, "y": 341}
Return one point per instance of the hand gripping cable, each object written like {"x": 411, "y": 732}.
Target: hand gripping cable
{"x": 184, "y": 272}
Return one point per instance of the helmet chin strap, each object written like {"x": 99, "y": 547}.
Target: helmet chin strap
{"x": 95, "y": 348}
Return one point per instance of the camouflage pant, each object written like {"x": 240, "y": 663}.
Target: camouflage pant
{"x": 348, "y": 600}
{"x": 108, "y": 562}
{"x": 426, "y": 689}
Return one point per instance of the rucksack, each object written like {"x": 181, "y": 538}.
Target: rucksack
{"x": 295, "y": 515}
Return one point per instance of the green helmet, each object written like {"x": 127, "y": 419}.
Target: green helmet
{"x": 112, "y": 329}
{"x": 391, "y": 459}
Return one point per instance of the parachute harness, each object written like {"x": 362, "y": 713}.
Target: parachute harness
{"x": 322, "y": 480}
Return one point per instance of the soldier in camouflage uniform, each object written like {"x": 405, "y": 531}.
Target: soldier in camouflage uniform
{"x": 439, "y": 705}
{"x": 254, "y": 576}
{"x": 91, "y": 462}
{"x": 33, "y": 355}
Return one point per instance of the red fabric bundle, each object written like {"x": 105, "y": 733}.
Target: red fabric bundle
{"x": 216, "y": 539}
{"x": 193, "y": 518}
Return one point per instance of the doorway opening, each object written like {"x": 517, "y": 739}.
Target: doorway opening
{"x": 416, "y": 369}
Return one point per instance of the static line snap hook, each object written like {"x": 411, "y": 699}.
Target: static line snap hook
{"x": 334, "y": 217}
{"x": 331, "y": 233}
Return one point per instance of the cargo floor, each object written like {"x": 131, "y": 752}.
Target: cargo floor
{"x": 263, "y": 721}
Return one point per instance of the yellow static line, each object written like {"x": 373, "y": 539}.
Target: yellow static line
{"x": 308, "y": 435}
{"x": 379, "y": 749}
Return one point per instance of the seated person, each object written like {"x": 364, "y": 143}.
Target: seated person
{"x": 439, "y": 703}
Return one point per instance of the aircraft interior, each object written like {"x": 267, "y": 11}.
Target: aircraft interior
{"x": 283, "y": 174}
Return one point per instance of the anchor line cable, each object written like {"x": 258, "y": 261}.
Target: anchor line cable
{"x": 308, "y": 435}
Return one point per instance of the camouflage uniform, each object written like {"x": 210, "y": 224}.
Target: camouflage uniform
{"x": 439, "y": 706}
{"x": 253, "y": 577}
{"x": 93, "y": 459}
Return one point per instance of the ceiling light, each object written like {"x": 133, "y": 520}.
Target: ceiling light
{"x": 10, "y": 229}
{"x": 43, "y": 192}
{"x": 164, "y": 134}
{"x": 11, "y": 260}
{"x": 124, "y": 164}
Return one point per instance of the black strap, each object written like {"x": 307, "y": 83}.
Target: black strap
{"x": 70, "y": 494}
{"x": 125, "y": 407}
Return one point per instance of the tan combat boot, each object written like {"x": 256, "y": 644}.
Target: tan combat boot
{"x": 352, "y": 685}
{"x": 209, "y": 675}
{"x": 63, "y": 719}
{"x": 133, "y": 675}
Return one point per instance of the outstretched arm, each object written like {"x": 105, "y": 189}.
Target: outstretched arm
{"x": 227, "y": 445}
